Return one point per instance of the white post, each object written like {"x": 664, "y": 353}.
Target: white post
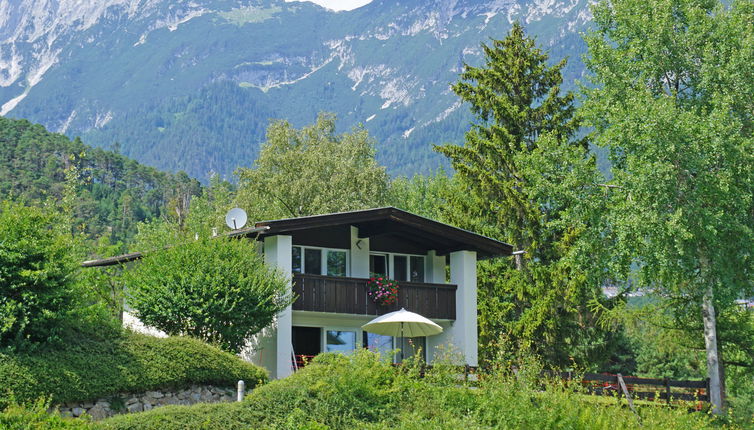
{"x": 277, "y": 253}
{"x": 241, "y": 391}
{"x": 359, "y": 255}
{"x": 463, "y": 274}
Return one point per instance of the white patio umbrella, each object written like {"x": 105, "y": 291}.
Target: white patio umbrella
{"x": 402, "y": 324}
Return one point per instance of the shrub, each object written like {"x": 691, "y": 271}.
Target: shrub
{"x": 362, "y": 391}
{"x": 90, "y": 369}
{"x": 218, "y": 290}
{"x": 36, "y": 276}
{"x": 34, "y": 416}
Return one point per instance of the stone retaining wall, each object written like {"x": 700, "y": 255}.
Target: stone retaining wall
{"x": 129, "y": 402}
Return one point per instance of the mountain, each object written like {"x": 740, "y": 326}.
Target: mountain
{"x": 193, "y": 84}
{"x": 114, "y": 192}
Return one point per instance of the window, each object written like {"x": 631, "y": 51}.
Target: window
{"x": 405, "y": 267}
{"x": 319, "y": 261}
{"x": 400, "y": 268}
{"x": 336, "y": 263}
{"x": 378, "y": 265}
{"x": 379, "y": 343}
{"x": 340, "y": 341}
{"x": 296, "y": 259}
{"x": 417, "y": 269}
{"x": 312, "y": 261}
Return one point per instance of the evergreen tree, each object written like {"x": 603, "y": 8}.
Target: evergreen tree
{"x": 521, "y": 173}
{"x": 515, "y": 98}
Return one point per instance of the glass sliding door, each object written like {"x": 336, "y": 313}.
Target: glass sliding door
{"x": 400, "y": 268}
{"x": 417, "y": 269}
{"x": 336, "y": 263}
{"x": 312, "y": 261}
{"x": 378, "y": 265}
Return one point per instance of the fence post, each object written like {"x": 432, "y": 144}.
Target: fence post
{"x": 667, "y": 389}
{"x": 625, "y": 391}
{"x": 241, "y": 391}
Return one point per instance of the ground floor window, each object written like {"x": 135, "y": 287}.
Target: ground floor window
{"x": 385, "y": 345}
{"x": 378, "y": 343}
{"x": 340, "y": 341}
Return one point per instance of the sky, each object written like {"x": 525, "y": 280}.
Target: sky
{"x": 338, "y": 4}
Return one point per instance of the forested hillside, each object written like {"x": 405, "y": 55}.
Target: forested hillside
{"x": 114, "y": 192}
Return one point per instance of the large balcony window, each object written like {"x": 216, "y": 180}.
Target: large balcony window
{"x": 319, "y": 261}
{"x": 401, "y": 267}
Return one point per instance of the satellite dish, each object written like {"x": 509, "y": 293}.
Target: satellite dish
{"x": 236, "y": 218}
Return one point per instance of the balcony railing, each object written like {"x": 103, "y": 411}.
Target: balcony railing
{"x": 349, "y": 296}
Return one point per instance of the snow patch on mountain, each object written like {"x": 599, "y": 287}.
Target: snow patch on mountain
{"x": 101, "y": 119}
{"x": 370, "y": 73}
{"x": 10, "y": 68}
{"x": 396, "y": 91}
{"x": 67, "y": 123}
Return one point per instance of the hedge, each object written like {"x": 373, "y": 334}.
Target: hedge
{"x": 361, "y": 391}
{"x": 88, "y": 369}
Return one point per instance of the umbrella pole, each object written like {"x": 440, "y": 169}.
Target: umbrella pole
{"x": 403, "y": 343}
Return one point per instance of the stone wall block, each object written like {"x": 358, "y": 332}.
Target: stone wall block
{"x": 155, "y": 394}
{"x": 98, "y": 412}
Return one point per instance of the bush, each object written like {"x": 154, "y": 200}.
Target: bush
{"x": 361, "y": 391}
{"x": 34, "y": 416}
{"x": 90, "y": 369}
{"x": 218, "y": 290}
{"x": 37, "y": 288}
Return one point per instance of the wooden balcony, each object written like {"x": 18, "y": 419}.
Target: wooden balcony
{"x": 349, "y": 296}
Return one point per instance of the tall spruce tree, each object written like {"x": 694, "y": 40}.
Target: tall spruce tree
{"x": 516, "y": 98}
{"x": 520, "y": 173}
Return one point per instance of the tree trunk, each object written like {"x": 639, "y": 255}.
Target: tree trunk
{"x": 713, "y": 361}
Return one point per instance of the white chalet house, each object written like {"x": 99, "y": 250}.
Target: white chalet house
{"x": 329, "y": 260}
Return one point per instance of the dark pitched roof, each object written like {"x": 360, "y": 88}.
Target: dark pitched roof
{"x": 443, "y": 238}
{"x": 389, "y": 220}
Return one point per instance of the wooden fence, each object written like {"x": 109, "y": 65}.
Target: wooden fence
{"x": 643, "y": 388}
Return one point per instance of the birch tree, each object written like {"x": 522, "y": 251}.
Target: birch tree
{"x": 311, "y": 171}
{"x": 673, "y": 102}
